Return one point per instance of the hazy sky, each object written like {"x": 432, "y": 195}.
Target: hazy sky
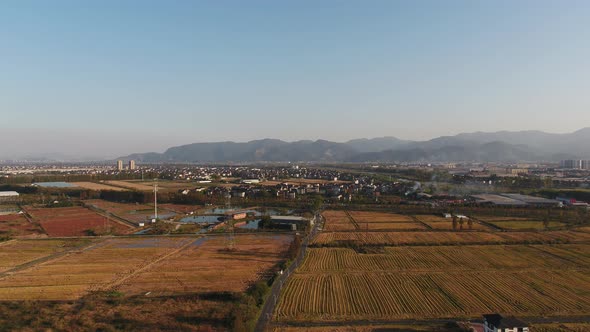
{"x": 150, "y": 74}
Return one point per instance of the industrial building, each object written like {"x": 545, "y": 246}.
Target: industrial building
{"x": 295, "y": 221}
{"x": 8, "y": 196}
{"x": 514, "y": 200}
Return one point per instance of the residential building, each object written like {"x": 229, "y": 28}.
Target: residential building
{"x": 498, "y": 323}
{"x": 119, "y": 165}
{"x": 131, "y": 165}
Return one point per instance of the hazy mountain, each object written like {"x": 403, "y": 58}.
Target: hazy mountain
{"x": 479, "y": 146}
{"x": 377, "y": 144}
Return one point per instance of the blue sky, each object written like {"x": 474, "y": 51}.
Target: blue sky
{"x": 150, "y": 74}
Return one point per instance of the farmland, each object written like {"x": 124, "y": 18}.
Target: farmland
{"x": 18, "y": 252}
{"x": 440, "y": 223}
{"x": 156, "y": 283}
{"x": 508, "y": 223}
{"x": 337, "y": 284}
{"x": 447, "y": 238}
{"x": 75, "y": 221}
{"x": 196, "y": 268}
{"x": 17, "y": 225}
{"x": 134, "y": 213}
{"x": 97, "y": 186}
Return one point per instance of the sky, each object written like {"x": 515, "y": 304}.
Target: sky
{"x": 111, "y": 77}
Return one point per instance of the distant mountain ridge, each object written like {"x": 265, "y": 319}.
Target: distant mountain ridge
{"x": 503, "y": 146}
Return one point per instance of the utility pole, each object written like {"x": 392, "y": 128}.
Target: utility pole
{"x": 156, "y": 200}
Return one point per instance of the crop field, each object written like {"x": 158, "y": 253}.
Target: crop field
{"x": 135, "y": 213}
{"x": 440, "y": 223}
{"x": 441, "y": 237}
{"x": 74, "y": 221}
{"x": 379, "y": 217}
{"x": 102, "y": 267}
{"x": 529, "y": 224}
{"x": 17, "y": 225}
{"x": 97, "y": 186}
{"x": 206, "y": 266}
{"x": 561, "y": 327}
{"x": 338, "y": 284}
{"x": 131, "y": 185}
{"x": 338, "y": 221}
{"x": 180, "y": 208}
{"x": 17, "y": 252}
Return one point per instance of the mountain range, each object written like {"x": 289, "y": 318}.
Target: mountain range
{"x": 502, "y": 146}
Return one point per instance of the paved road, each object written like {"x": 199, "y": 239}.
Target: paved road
{"x": 275, "y": 291}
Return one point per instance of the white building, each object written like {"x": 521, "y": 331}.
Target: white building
{"x": 8, "y": 195}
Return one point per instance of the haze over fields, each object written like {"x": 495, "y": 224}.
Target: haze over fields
{"x": 107, "y": 79}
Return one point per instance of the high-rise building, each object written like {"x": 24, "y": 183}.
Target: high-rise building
{"x": 131, "y": 164}
{"x": 586, "y": 164}
{"x": 571, "y": 164}
{"x": 119, "y": 165}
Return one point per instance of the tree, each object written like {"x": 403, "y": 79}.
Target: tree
{"x": 470, "y": 223}
{"x": 454, "y": 222}
{"x": 461, "y": 221}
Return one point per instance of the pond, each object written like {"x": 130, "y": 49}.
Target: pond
{"x": 54, "y": 184}
{"x": 202, "y": 219}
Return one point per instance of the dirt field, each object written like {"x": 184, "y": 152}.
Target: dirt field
{"x": 143, "y": 186}
{"x": 436, "y": 222}
{"x": 135, "y": 266}
{"x": 197, "y": 268}
{"x": 378, "y": 217}
{"x": 101, "y": 268}
{"x": 16, "y": 225}
{"x": 338, "y": 221}
{"x": 440, "y": 238}
{"x": 97, "y": 186}
{"x": 17, "y": 252}
{"x": 75, "y": 221}
{"x": 337, "y": 284}
{"x": 135, "y": 213}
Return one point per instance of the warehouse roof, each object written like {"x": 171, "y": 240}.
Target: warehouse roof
{"x": 8, "y": 193}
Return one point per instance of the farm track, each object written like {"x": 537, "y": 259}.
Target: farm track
{"x": 113, "y": 285}
{"x": 50, "y": 258}
{"x": 109, "y": 215}
{"x": 353, "y": 221}
{"x": 421, "y": 222}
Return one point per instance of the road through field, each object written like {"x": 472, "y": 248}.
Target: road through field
{"x": 275, "y": 291}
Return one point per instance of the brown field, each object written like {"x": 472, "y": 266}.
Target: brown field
{"x": 391, "y": 226}
{"x": 162, "y": 266}
{"x": 132, "y": 212}
{"x": 17, "y": 252}
{"x": 439, "y": 238}
{"x": 71, "y": 276}
{"x": 561, "y": 327}
{"x": 198, "y": 267}
{"x": 376, "y": 217}
{"x": 336, "y": 284}
{"x": 143, "y": 186}
{"x": 180, "y": 208}
{"x": 337, "y": 221}
{"x": 75, "y": 221}
{"x": 302, "y": 181}
{"x": 441, "y": 223}
{"x": 17, "y": 225}
{"x": 97, "y": 186}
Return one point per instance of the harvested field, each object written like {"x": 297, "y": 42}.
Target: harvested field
{"x": 529, "y": 224}
{"x": 17, "y": 225}
{"x": 100, "y": 268}
{"x": 206, "y": 266}
{"x": 377, "y": 217}
{"x": 336, "y": 284}
{"x": 97, "y": 186}
{"x": 440, "y": 238}
{"x": 338, "y": 221}
{"x": 179, "y": 208}
{"x": 143, "y": 186}
{"x": 75, "y": 221}
{"x": 436, "y": 222}
{"x": 17, "y": 252}
{"x": 391, "y": 226}
{"x": 134, "y": 213}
